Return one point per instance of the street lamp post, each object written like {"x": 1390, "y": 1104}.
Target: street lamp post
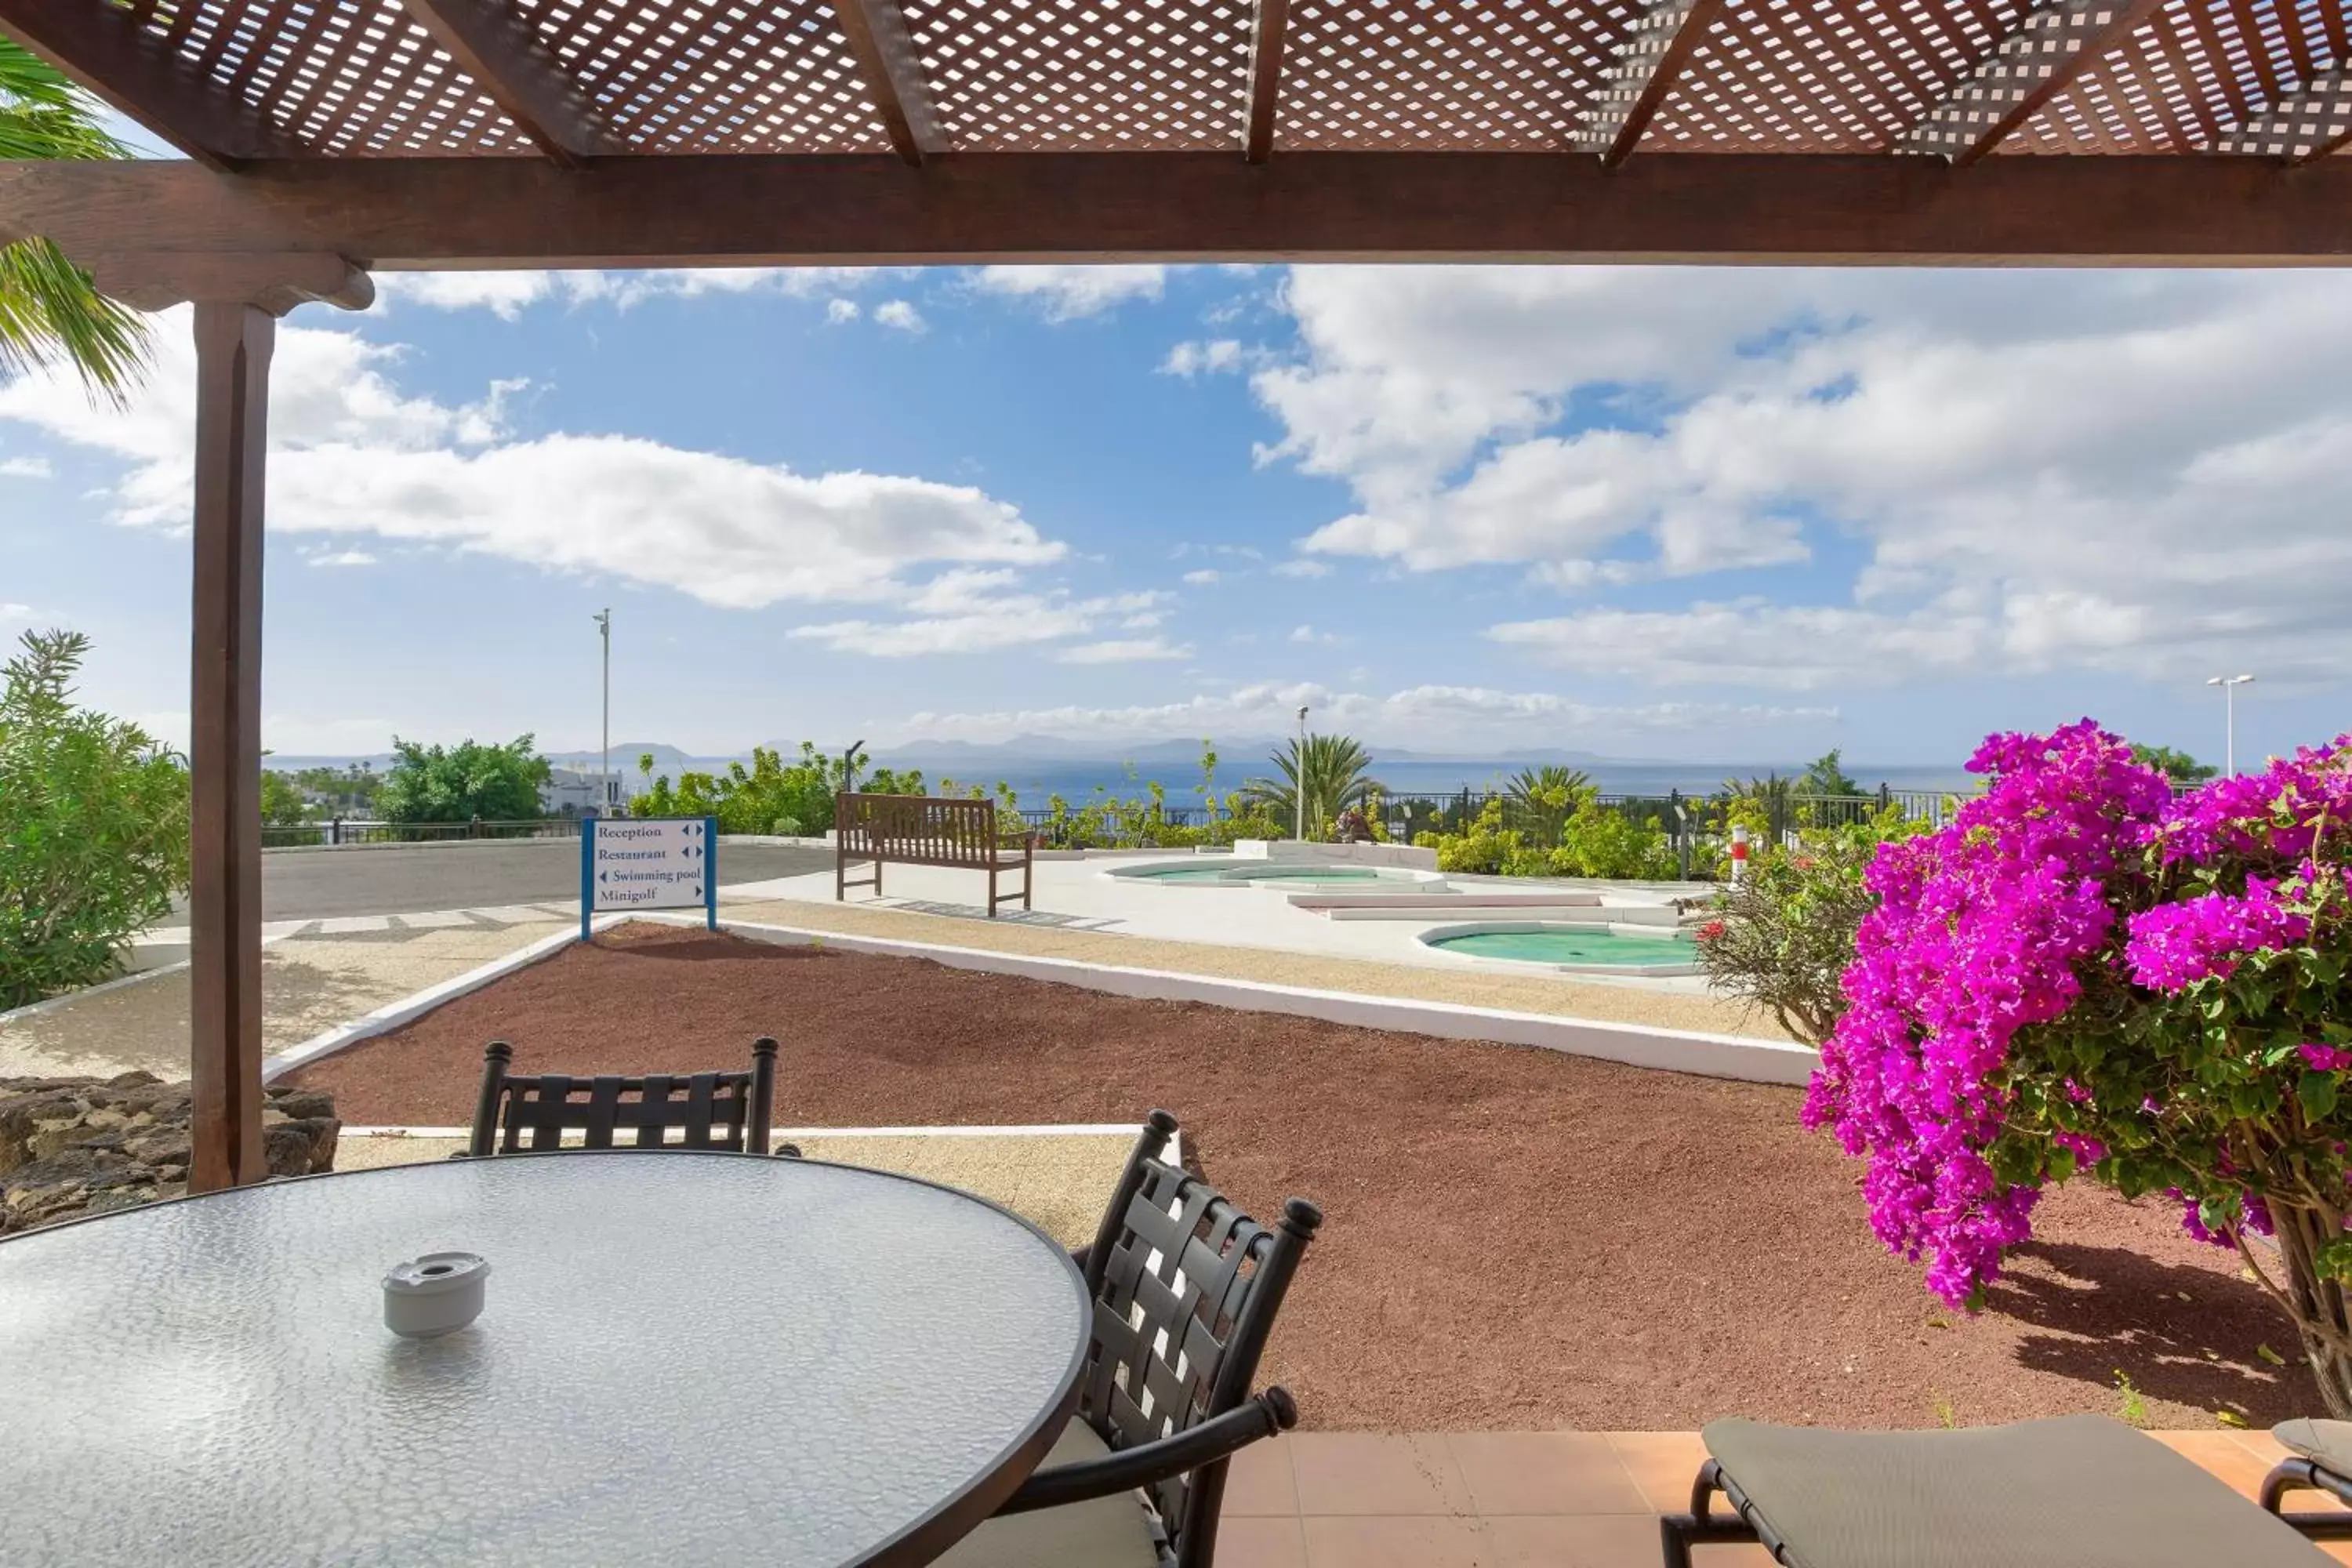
{"x": 1298, "y": 766}
{"x": 2229, "y": 685}
{"x": 605, "y": 771}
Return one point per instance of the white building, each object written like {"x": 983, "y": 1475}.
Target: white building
{"x": 571, "y": 791}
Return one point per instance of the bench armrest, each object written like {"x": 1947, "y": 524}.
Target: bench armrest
{"x": 1260, "y": 1417}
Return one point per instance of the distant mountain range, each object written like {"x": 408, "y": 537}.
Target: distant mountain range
{"x": 1041, "y": 765}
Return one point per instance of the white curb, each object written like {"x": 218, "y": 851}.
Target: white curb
{"x": 1637, "y": 1044}
{"x": 392, "y": 1014}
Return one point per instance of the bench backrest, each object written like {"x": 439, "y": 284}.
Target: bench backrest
{"x": 916, "y": 829}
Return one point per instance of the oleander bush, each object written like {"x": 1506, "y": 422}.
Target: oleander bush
{"x": 1783, "y": 935}
{"x": 93, "y": 827}
{"x": 2086, "y": 974}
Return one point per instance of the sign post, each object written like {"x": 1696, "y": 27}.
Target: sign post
{"x": 648, "y": 863}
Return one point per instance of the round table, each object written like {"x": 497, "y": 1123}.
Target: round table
{"x": 684, "y": 1357}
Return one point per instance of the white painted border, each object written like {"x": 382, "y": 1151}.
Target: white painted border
{"x": 51, "y": 1004}
{"x": 1636, "y": 1045}
{"x": 392, "y": 1014}
{"x": 1038, "y": 1129}
{"x": 1175, "y": 1156}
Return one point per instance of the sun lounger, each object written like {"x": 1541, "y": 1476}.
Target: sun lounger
{"x": 2323, "y": 1463}
{"x": 2075, "y": 1491}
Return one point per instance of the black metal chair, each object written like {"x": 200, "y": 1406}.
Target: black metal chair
{"x": 719, "y": 1110}
{"x": 1185, "y": 1288}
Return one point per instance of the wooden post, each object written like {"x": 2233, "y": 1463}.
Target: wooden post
{"x": 233, "y": 348}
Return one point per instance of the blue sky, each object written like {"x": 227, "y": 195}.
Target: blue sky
{"x": 1715, "y": 515}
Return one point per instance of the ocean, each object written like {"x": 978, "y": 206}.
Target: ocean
{"x": 1036, "y": 783}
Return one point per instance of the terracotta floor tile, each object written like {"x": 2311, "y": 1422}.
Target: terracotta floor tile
{"x": 1396, "y": 1542}
{"x": 2268, "y": 1452}
{"x": 2261, "y": 1445}
{"x": 1375, "y": 1473}
{"x": 2219, "y": 1453}
{"x": 1545, "y": 1473}
{"x": 1258, "y": 1482}
{"x": 1662, "y": 1465}
{"x": 1260, "y": 1543}
{"x": 1571, "y": 1540}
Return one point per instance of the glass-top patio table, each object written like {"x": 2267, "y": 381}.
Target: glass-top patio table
{"x": 684, "y": 1357}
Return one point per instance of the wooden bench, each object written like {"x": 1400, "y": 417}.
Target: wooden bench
{"x": 921, "y": 830}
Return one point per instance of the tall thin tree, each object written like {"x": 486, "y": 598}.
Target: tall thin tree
{"x": 50, "y": 311}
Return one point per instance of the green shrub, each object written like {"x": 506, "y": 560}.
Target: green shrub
{"x": 444, "y": 784}
{"x": 93, "y": 827}
{"x": 1595, "y": 841}
{"x": 1485, "y": 849}
{"x": 1601, "y": 842}
{"x": 1784, "y": 933}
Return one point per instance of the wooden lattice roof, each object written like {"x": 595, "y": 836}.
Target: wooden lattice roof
{"x": 410, "y": 78}
{"x": 1874, "y": 128}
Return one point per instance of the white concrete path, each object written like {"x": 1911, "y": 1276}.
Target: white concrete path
{"x": 1079, "y": 895}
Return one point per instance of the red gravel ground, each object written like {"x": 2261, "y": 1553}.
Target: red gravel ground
{"x": 1516, "y": 1239}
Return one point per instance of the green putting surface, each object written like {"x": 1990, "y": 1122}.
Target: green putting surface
{"x": 1570, "y": 947}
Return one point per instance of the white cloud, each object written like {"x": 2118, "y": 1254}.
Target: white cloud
{"x": 1191, "y": 359}
{"x": 24, "y": 469}
{"x": 1756, "y": 644}
{"x": 1423, "y": 717}
{"x": 508, "y": 294}
{"x": 901, "y": 316}
{"x": 966, "y": 612}
{"x": 354, "y": 456}
{"x": 1303, "y": 566}
{"x": 343, "y": 558}
{"x": 15, "y": 612}
{"x": 1065, "y": 293}
{"x": 1203, "y": 577}
{"x": 836, "y": 312}
{"x": 1127, "y": 650}
{"x": 2129, "y": 472}
{"x": 1309, "y": 635}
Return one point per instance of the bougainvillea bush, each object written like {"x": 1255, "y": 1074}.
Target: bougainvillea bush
{"x": 2086, "y": 974}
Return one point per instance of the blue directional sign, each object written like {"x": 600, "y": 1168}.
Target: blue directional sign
{"x": 648, "y": 863}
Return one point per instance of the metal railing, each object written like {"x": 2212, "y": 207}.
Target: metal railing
{"x": 1698, "y": 825}
{"x": 342, "y": 832}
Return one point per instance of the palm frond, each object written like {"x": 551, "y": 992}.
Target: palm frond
{"x": 49, "y": 310}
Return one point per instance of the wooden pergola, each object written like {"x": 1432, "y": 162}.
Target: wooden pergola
{"x": 330, "y": 138}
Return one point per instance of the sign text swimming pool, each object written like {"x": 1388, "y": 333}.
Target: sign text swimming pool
{"x": 648, "y": 863}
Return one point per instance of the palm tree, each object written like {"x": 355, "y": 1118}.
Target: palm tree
{"x": 1336, "y": 770}
{"x": 49, "y": 310}
{"x": 1548, "y": 796}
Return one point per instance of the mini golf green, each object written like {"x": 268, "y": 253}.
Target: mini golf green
{"x": 1567, "y": 946}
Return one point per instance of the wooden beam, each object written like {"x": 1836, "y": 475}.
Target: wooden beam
{"x": 277, "y": 282}
{"x": 1268, "y": 33}
{"x": 2311, "y": 122}
{"x": 104, "y": 48}
{"x": 876, "y": 31}
{"x": 791, "y": 210}
{"x": 2050, "y": 48}
{"x": 1651, "y": 57}
{"x": 233, "y": 349}
{"x": 521, "y": 74}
